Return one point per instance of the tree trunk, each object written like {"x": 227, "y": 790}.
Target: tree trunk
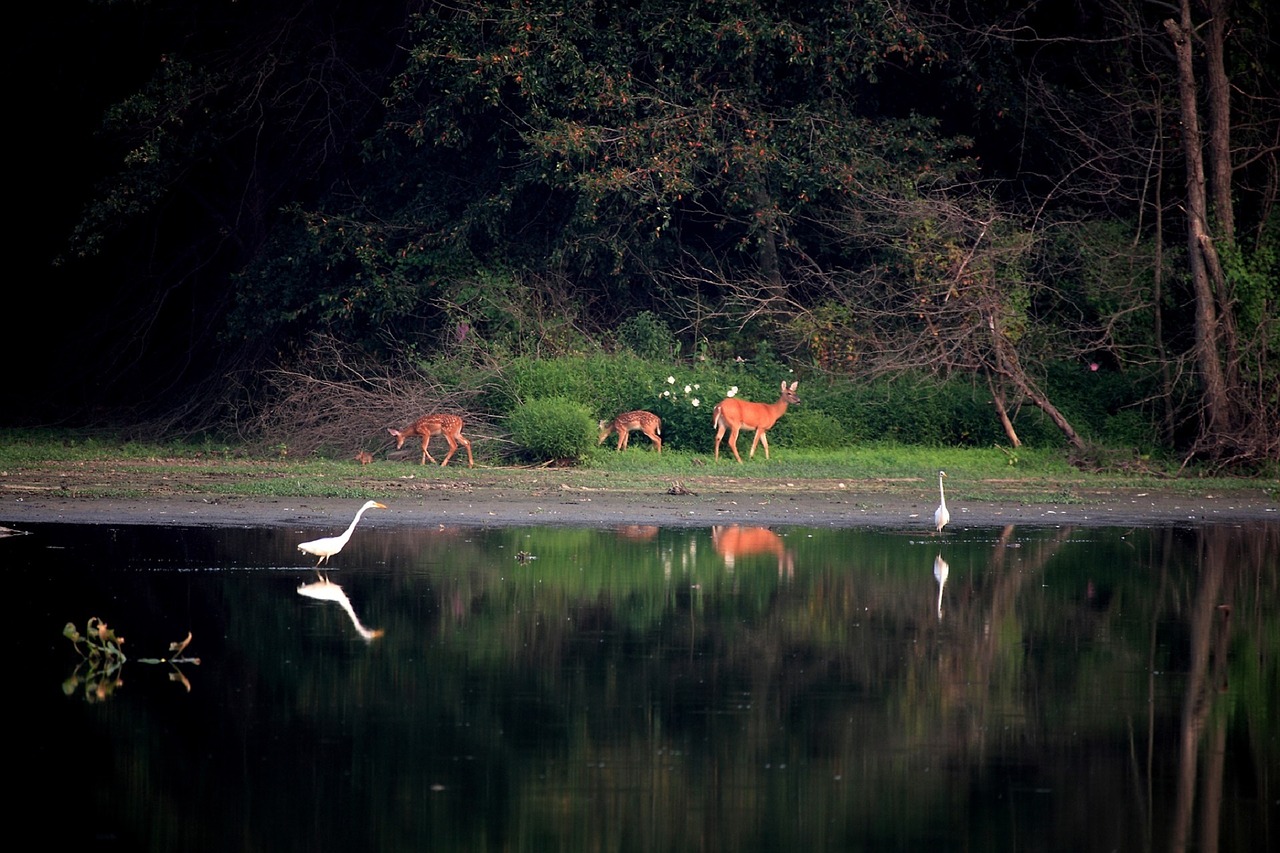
{"x": 770, "y": 268}
{"x": 1010, "y": 368}
{"x": 1002, "y": 412}
{"x": 1218, "y": 95}
{"x": 1043, "y": 404}
{"x": 1217, "y": 419}
{"x": 1219, "y": 170}
{"x": 1157, "y": 297}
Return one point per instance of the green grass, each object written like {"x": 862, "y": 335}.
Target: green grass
{"x": 876, "y": 461}
{"x": 26, "y": 447}
{"x": 974, "y": 473}
{"x": 131, "y": 469}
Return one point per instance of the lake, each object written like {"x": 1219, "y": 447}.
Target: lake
{"x": 650, "y": 688}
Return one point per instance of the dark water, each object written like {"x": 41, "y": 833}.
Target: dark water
{"x": 1089, "y": 689}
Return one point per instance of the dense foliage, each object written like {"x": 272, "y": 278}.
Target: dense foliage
{"x": 1065, "y": 211}
{"x": 553, "y": 428}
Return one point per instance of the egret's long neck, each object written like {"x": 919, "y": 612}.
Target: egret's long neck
{"x": 942, "y": 495}
{"x": 356, "y": 520}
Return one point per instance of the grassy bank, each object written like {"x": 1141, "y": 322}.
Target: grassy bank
{"x": 99, "y": 467}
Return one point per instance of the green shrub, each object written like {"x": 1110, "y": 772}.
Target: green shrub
{"x": 916, "y": 409}
{"x": 685, "y": 411}
{"x": 553, "y": 428}
{"x": 608, "y": 385}
{"x": 686, "y": 398}
{"x": 1090, "y": 395}
{"x": 1131, "y": 429}
{"x": 648, "y": 336}
{"x": 809, "y": 429}
{"x": 925, "y": 411}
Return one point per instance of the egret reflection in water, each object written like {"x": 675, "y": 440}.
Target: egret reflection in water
{"x": 326, "y": 590}
{"x": 940, "y": 572}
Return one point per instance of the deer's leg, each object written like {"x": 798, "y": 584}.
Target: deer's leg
{"x": 471, "y": 463}
{"x": 453, "y": 446}
{"x": 653, "y": 436}
{"x": 764, "y": 439}
{"x": 426, "y": 454}
{"x": 733, "y": 444}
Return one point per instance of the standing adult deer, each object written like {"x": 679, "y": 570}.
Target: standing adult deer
{"x": 450, "y": 426}
{"x": 734, "y": 414}
{"x": 647, "y": 422}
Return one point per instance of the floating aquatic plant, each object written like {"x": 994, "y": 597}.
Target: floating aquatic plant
{"x": 102, "y": 658}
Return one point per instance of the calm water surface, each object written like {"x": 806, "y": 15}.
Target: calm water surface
{"x": 645, "y": 689}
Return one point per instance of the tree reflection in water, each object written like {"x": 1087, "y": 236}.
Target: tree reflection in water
{"x": 630, "y": 689}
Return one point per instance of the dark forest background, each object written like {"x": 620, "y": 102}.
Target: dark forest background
{"x": 216, "y": 195}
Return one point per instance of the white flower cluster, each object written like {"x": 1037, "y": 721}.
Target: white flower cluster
{"x": 688, "y": 390}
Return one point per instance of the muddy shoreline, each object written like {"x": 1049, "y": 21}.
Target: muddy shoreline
{"x": 845, "y": 505}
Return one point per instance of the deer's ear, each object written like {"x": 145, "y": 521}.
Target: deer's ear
{"x": 793, "y": 384}
{"x": 390, "y": 430}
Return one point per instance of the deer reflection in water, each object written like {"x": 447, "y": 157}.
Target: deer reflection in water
{"x": 326, "y": 590}
{"x": 638, "y": 532}
{"x": 736, "y": 541}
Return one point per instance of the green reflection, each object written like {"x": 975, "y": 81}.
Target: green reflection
{"x": 746, "y": 689}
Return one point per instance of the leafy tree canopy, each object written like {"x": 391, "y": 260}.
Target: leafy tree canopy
{"x": 613, "y": 146}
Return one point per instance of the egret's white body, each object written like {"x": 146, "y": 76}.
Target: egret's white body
{"x": 330, "y": 545}
{"x": 940, "y": 515}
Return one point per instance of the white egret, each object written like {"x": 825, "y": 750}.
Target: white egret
{"x": 330, "y": 545}
{"x": 940, "y": 515}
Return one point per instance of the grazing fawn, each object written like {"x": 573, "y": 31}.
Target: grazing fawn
{"x": 450, "y": 426}
{"x": 364, "y": 457}
{"x": 734, "y": 414}
{"x": 647, "y": 422}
